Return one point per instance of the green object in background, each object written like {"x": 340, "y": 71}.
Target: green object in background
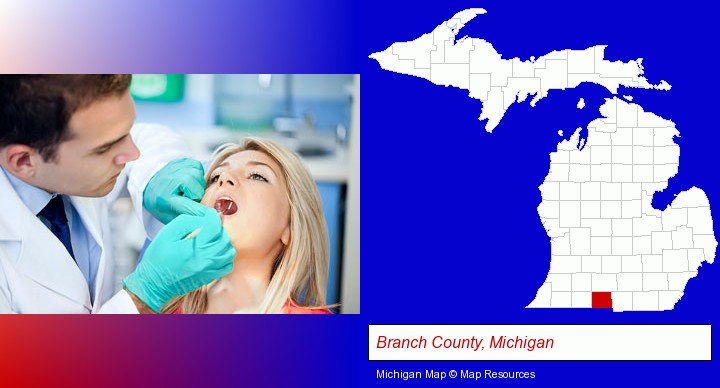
{"x": 158, "y": 87}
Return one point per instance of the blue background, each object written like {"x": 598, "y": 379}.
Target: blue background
{"x": 450, "y": 227}
{"x": 461, "y": 204}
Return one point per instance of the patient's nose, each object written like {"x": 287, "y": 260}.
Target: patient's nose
{"x": 225, "y": 179}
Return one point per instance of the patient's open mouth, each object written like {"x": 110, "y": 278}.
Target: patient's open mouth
{"x": 225, "y": 206}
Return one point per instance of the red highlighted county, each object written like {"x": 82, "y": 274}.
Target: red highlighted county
{"x": 602, "y": 300}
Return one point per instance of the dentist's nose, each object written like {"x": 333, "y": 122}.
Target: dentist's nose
{"x": 128, "y": 152}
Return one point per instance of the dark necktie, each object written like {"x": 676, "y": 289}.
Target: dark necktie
{"x": 54, "y": 213}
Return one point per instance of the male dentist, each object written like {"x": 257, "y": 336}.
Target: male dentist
{"x": 68, "y": 148}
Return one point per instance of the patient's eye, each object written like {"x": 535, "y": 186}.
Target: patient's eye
{"x": 213, "y": 178}
{"x": 258, "y": 177}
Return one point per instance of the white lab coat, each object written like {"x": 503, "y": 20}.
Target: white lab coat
{"x": 37, "y": 275}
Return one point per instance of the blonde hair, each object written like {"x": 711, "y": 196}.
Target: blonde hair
{"x": 301, "y": 270}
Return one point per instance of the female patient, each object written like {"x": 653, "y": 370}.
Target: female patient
{"x": 271, "y": 210}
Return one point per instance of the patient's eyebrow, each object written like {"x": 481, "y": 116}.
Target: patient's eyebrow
{"x": 259, "y": 163}
{"x": 211, "y": 172}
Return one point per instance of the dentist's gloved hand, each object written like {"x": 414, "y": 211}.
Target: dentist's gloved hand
{"x": 176, "y": 189}
{"x": 173, "y": 266}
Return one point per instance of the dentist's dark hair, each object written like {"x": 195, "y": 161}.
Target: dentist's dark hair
{"x": 35, "y": 109}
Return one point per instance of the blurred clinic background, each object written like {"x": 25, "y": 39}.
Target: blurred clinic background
{"x": 316, "y": 115}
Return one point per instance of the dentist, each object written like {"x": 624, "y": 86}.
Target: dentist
{"x": 68, "y": 149}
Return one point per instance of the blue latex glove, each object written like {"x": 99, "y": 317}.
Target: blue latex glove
{"x": 176, "y": 189}
{"x": 173, "y": 265}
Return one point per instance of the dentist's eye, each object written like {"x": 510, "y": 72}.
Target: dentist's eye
{"x": 257, "y": 177}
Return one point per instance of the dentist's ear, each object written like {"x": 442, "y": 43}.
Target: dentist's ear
{"x": 19, "y": 160}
